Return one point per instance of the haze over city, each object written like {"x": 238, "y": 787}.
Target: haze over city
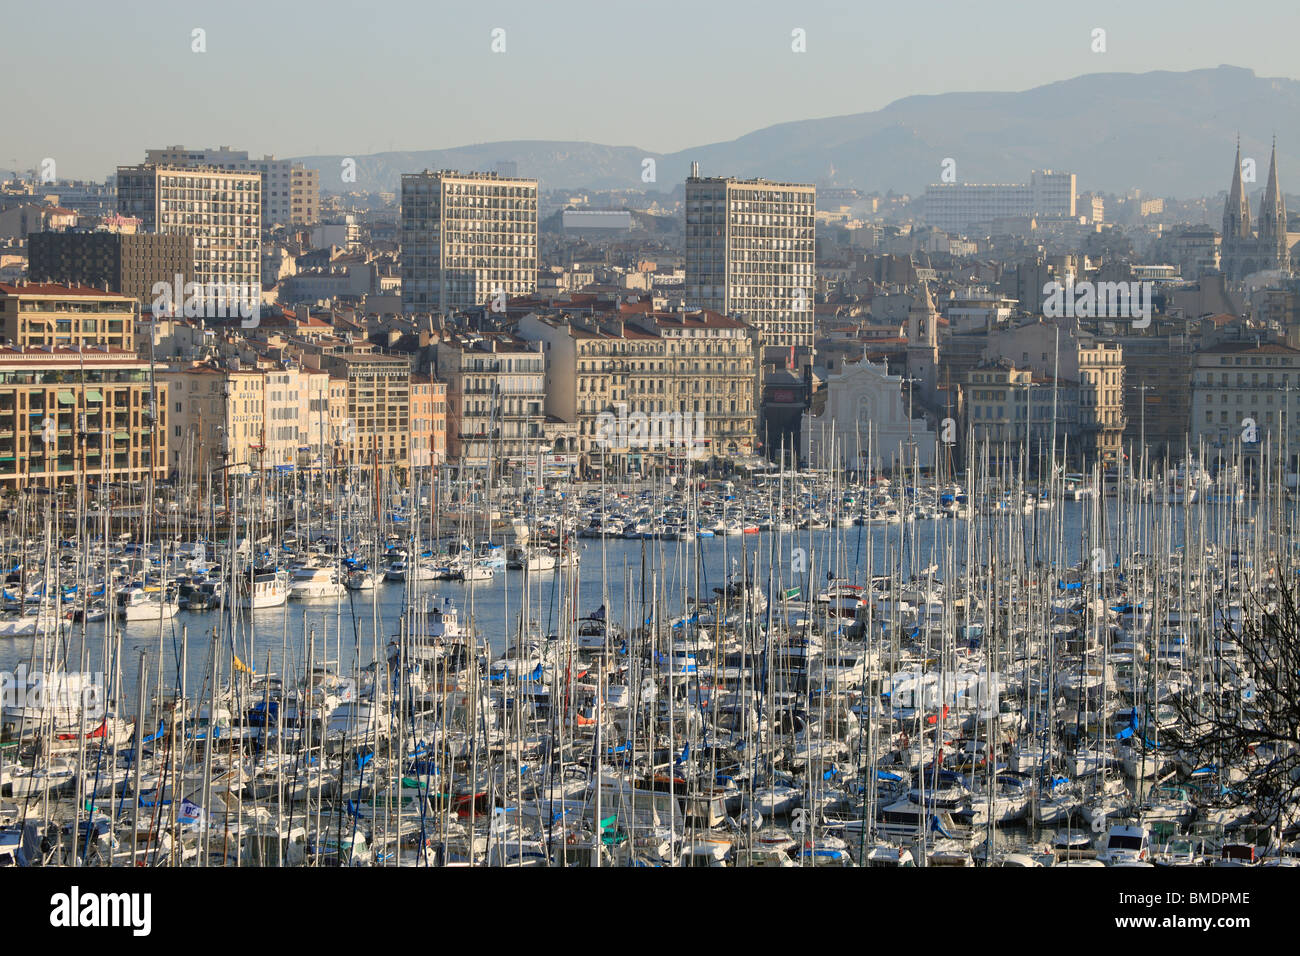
{"x": 354, "y": 78}
{"x": 674, "y": 435}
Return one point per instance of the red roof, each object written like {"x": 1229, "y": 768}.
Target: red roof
{"x": 701, "y": 319}
{"x": 53, "y": 288}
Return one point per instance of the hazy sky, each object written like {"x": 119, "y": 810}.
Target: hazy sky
{"x": 93, "y": 83}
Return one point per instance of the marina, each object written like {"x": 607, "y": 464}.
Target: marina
{"x": 781, "y": 669}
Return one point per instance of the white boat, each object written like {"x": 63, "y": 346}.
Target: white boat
{"x": 361, "y": 579}
{"x": 773, "y": 801}
{"x": 356, "y": 721}
{"x": 908, "y": 821}
{"x": 1077, "y": 488}
{"x": 522, "y": 558}
{"x": 1125, "y": 843}
{"x": 887, "y": 855}
{"x": 313, "y": 583}
{"x": 32, "y": 621}
{"x": 147, "y": 604}
{"x": 473, "y": 571}
{"x": 268, "y": 589}
{"x": 27, "y": 783}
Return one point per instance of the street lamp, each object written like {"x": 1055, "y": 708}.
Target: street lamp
{"x": 1142, "y": 418}
{"x": 1029, "y": 417}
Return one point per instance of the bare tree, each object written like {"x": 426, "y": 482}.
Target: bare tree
{"x": 1239, "y": 717}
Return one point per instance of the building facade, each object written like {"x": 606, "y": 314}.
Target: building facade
{"x": 376, "y": 429}
{"x": 421, "y": 421}
{"x": 129, "y": 263}
{"x": 496, "y": 397}
{"x": 1021, "y": 412}
{"x": 217, "y": 419}
{"x": 1246, "y": 396}
{"x": 467, "y": 238}
{"x": 71, "y": 417}
{"x": 647, "y": 388}
{"x": 1067, "y": 353}
{"x": 220, "y": 208}
{"x": 281, "y": 430}
{"x": 751, "y": 251}
{"x": 290, "y": 191}
{"x": 860, "y": 422}
{"x": 313, "y": 418}
{"x": 1157, "y": 393}
{"x": 76, "y": 404}
{"x": 586, "y": 375}
{"x": 50, "y": 315}
{"x": 955, "y": 206}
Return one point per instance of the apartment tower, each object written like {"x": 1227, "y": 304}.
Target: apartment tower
{"x": 467, "y": 238}
{"x": 750, "y": 247}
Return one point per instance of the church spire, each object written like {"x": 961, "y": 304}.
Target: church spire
{"x": 1272, "y": 210}
{"x": 1236, "y": 210}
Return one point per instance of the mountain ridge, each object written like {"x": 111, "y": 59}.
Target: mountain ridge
{"x": 1166, "y": 132}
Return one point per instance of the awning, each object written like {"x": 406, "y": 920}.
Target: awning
{"x": 122, "y": 436}
{"x": 93, "y": 395}
{"x": 67, "y": 398}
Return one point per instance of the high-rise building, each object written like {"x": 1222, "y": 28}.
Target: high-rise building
{"x": 1053, "y": 193}
{"x": 120, "y": 262}
{"x": 290, "y": 191}
{"x": 955, "y": 206}
{"x": 1246, "y": 250}
{"x": 750, "y": 247}
{"x": 221, "y": 209}
{"x": 466, "y": 238}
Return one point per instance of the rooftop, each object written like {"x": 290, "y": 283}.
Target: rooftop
{"x": 54, "y": 289}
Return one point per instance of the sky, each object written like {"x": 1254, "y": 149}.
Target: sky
{"x": 93, "y": 84}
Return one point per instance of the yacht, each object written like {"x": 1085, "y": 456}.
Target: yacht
{"x": 268, "y": 589}
{"x": 147, "y": 604}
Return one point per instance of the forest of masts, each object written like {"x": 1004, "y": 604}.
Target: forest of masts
{"x": 970, "y": 641}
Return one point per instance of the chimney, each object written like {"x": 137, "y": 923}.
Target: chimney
{"x": 695, "y": 170}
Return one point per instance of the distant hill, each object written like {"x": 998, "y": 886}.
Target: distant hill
{"x": 1169, "y": 134}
